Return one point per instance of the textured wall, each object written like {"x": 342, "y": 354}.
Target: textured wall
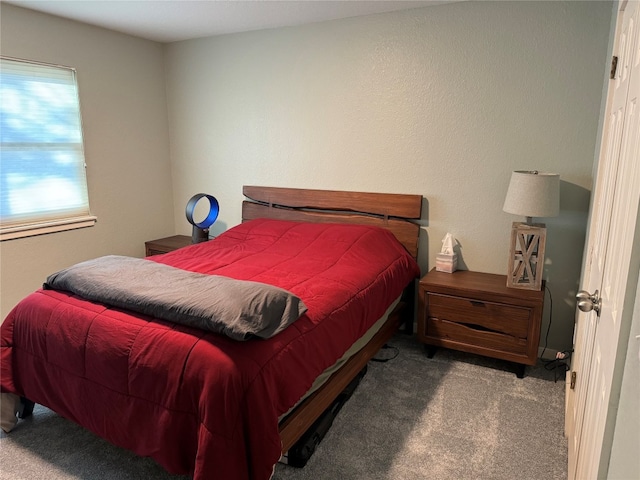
{"x": 443, "y": 101}
{"x": 122, "y": 97}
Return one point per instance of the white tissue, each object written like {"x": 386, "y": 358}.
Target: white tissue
{"x": 447, "y": 259}
{"x": 447, "y": 244}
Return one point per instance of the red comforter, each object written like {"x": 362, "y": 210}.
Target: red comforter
{"x": 198, "y": 402}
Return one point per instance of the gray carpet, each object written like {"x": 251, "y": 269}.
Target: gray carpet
{"x": 455, "y": 416}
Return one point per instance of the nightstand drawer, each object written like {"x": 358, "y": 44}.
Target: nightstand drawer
{"x": 508, "y": 319}
{"x": 445, "y": 333}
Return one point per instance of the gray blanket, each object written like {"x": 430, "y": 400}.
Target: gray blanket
{"x": 236, "y": 308}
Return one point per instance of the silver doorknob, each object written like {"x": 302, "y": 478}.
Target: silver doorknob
{"x": 588, "y": 301}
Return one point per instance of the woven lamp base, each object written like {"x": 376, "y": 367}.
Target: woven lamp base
{"x": 526, "y": 255}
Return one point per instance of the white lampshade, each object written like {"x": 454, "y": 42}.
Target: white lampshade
{"x": 533, "y": 194}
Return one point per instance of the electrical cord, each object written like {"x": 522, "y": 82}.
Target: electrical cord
{"x": 386, "y": 353}
{"x": 546, "y": 337}
{"x": 559, "y": 362}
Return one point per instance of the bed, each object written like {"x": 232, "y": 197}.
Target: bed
{"x": 200, "y": 402}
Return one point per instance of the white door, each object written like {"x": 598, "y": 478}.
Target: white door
{"x": 609, "y": 244}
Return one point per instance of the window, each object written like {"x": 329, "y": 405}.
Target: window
{"x": 43, "y": 184}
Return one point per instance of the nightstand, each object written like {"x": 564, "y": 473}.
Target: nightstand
{"x": 477, "y": 313}
{"x": 165, "y": 245}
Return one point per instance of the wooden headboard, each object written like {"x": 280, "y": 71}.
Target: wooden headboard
{"x": 392, "y": 211}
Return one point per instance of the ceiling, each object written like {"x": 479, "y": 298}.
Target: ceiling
{"x": 175, "y": 20}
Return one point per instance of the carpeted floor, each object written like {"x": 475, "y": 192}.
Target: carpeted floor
{"x": 455, "y": 416}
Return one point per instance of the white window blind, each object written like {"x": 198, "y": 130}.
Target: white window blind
{"x": 43, "y": 185}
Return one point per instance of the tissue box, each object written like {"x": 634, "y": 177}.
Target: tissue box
{"x": 446, "y": 263}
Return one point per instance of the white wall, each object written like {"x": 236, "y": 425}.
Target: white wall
{"x": 122, "y": 97}
{"x": 443, "y": 101}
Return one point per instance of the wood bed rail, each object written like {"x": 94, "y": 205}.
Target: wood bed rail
{"x": 296, "y": 423}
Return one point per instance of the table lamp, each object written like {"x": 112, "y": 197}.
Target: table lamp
{"x": 530, "y": 194}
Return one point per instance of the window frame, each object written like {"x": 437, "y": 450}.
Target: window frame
{"x": 82, "y": 216}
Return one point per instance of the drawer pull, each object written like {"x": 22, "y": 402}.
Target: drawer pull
{"x": 480, "y": 328}
{"x": 476, "y": 303}
{"x": 464, "y": 328}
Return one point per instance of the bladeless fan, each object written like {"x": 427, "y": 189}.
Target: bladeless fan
{"x": 200, "y": 231}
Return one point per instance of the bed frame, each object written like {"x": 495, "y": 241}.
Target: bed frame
{"x": 386, "y": 210}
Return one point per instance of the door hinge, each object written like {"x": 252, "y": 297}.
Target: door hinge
{"x": 614, "y": 67}
{"x": 574, "y": 376}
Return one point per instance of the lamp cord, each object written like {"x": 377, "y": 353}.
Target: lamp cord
{"x": 546, "y": 337}
{"x": 560, "y": 362}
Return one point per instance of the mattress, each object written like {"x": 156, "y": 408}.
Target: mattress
{"x": 198, "y": 402}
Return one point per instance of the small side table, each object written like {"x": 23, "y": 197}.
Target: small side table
{"x": 166, "y": 245}
{"x": 477, "y": 313}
